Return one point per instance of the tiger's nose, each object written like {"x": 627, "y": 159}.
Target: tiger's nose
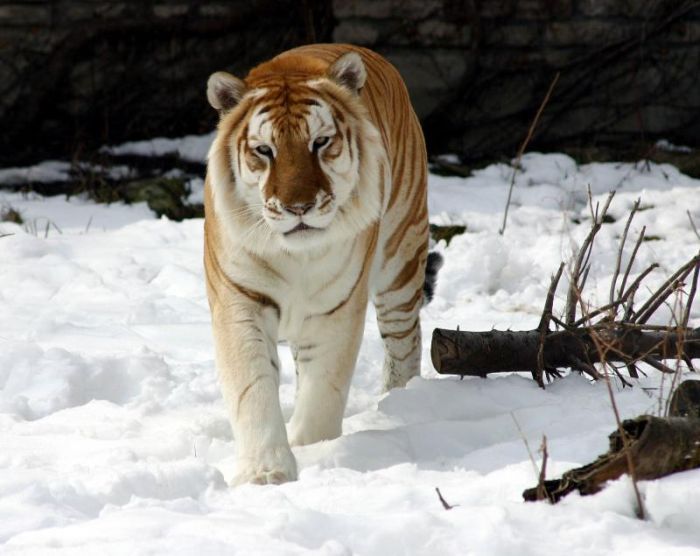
{"x": 299, "y": 208}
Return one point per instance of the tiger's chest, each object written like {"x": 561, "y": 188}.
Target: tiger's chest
{"x": 307, "y": 287}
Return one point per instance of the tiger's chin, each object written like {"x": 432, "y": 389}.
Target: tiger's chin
{"x": 305, "y": 237}
{"x": 304, "y": 234}
{"x": 301, "y": 227}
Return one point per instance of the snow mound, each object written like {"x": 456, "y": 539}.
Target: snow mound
{"x": 192, "y": 148}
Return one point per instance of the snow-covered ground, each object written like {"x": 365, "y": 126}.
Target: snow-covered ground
{"x": 114, "y": 438}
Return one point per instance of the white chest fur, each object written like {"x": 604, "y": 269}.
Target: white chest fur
{"x": 303, "y": 285}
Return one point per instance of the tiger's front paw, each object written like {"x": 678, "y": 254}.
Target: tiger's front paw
{"x": 272, "y": 466}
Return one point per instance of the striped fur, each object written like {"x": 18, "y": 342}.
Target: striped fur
{"x": 315, "y": 204}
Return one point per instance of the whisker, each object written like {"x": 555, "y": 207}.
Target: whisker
{"x": 250, "y": 210}
{"x": 253, "y": 206}
{"x": 253, "y": 229}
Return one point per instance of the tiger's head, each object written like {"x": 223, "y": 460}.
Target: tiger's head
{"x": 296, "y": 161}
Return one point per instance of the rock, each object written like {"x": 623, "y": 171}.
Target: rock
{"x": 165, "y": 196}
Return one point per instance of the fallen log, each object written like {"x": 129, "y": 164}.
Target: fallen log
{"x": 480, "y": 353}
{"x": 616, "y": 334}
{"x": 656, "y": 447}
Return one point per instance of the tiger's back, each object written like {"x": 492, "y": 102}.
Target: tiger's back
{"x": 328, "y": 135}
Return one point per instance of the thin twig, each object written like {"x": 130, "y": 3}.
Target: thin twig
{"x": 629, "y": 311}
{"x": 632, "y": 370}
{"x": 621, "y": 249}
{"x": 647, "y": 327}
{"x": 443, "y": 501}
{"x": 692, "y": 224}
{"x": 584, "y": 276}
{"x": 586, "y": 368}
{"x": 561, "y": 323}
{"x": 543, "y": 327}
{"x": 691, "y": 298}
{"x": 621, "y": 378}
{"x": 680, "y": 337}
{"x": 549, "y": 302}
{"x": 640, "y": 239}
{"x": 658, "y": 365}
{"x": 633, "y": 287}
{"x": 541, "y": 490}
{"x": 689, "y": 362}
{"x": 668, "y": 287}
{"x": 527, "y": 444}
{"x": 581, "y": 259}
{"x": 623, "y": 435}
{"x": 522, "y": 148}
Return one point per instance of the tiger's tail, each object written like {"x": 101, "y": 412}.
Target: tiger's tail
{"x": 434, "y": 263}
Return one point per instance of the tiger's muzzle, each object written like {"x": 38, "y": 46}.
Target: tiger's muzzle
{"x": 300, "y": 219}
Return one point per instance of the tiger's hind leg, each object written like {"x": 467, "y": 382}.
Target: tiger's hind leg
{"x": 398, "y": 316}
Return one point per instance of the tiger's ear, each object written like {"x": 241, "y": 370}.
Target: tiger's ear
{"x": 349, "y": 72}
{"x": 224, "y": 91}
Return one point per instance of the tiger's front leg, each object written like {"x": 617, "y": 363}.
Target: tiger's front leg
{"x": 325, "y": 362}
{"x": 246, "y": 355}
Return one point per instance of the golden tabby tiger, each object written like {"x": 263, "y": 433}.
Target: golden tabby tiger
{"x": 315, "y": 203}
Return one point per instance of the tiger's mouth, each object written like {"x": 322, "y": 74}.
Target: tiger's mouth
{"x": 300, "y": 228}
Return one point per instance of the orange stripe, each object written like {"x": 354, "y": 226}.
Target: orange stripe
{"x": 401, "y": 335}
{"x": 255, "y": 296}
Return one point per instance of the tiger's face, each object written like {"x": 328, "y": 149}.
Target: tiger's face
{"x": 296, "y": 160}
{"x": 293, "y": 145}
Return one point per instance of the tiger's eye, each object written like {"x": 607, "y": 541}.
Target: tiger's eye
{"x": 264, "y": 150}
{"x": 320, "y": 142}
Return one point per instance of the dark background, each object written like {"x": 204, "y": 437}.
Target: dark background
{"x": 75, "y": 75}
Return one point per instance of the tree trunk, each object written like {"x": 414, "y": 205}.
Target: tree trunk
{"x": 480, "y": 353}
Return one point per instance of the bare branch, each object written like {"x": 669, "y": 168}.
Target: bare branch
{"x": 692, "y": 224}
{"x": 443, "y": 501}
{"x": 633, "y": 287}
{"x": 541, "y": 490}
{"x": 631, "y": 468}
{"x": 658, "y": 365}
{"x": 632, "y": 370}
{"x": 640, "y": 239}
{"x": 667, "y": 288}
{"x": 581, "y": 259}
{"x": 527, "y": 444}
{"x": 522, "y": 148}
{"x": 691, "y": 297}
{"x": 587, "y": 368}
{"x": 543, "y": 327}
{"x": 623, "y": 240}
{"x": 688, "y": 361}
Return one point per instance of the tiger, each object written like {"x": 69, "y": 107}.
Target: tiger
{"x": 315, "y": 203}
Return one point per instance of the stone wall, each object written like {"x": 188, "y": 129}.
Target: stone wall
{"x": 478, "y": 69}
{"x": 75, "y": 74}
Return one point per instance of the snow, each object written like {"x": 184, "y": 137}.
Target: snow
{"x": 74, "y": 215}
{"x": 47, "y": 171}
{"x": 57, "y": 171}
{"x": 115, "y": 438}
{"x": 192, "y": 148}
{"x": 666, "y": 145}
